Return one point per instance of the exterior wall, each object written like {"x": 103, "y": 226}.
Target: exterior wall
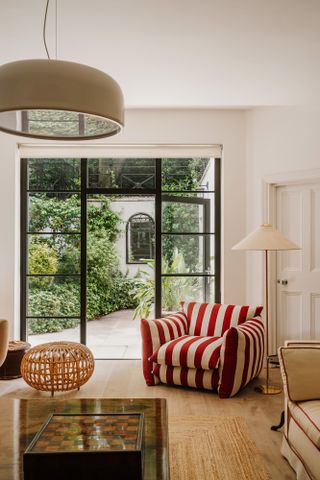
{"x": 126, "y": 208}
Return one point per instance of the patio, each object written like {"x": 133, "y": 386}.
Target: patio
{"x": 113, "y": 336}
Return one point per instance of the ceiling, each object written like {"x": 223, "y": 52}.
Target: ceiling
{"x": 180, "y": 53}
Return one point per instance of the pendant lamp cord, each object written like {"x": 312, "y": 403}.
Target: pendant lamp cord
{"x": 56, "y": 30}
{"x": 44, "y": 30}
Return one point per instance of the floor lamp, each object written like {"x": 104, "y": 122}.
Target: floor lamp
{"x": 266, "y": 238}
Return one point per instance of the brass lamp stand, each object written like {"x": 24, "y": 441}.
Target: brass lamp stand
{"x": 266, "y": 388}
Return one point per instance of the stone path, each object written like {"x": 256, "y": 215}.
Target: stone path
{"x": 113, "y": 336}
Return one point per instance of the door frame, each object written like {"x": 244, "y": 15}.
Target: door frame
{"x": 270, "y": 183}
{"x": 84, "y": 191}
{"x": 206, "y": 233}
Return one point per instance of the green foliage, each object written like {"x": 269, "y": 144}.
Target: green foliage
{"x": 45, "y": 325}
{"x": 108, "y": 289}
{"x": 182, "y": 173}
{"x": 174, "y": 289}
{"x": 143, "y": 293}
{"x": 101, "y": 220}
{"x": 58, "y": 300}
{"x": 53, "y": 212}
{"x": 181, "y": 217}
{"x": 54, "y": 173}
{"x": 42, "y": 260}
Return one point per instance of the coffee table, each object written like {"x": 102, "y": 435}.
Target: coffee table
{"x": 20, "y": 420}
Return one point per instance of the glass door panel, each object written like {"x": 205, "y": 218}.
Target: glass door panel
{"x": 187, "y": 249}
{"x": 120, "y": 272}
{"x": 188, "y": 253}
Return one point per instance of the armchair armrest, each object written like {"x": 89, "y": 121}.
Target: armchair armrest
{"x": 241, "y": 356}
{"x": 302, "y": 343}
{"x": 155, "y": 333}
{"x": 4, "y": 339}
{"x": 300, "y": 369}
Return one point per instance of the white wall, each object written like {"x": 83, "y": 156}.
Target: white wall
{"x": 279, "y": 139}
{"x": 127, "y": 208}
{"x": 143, "y": 126}
{"x": 180, "y": 53}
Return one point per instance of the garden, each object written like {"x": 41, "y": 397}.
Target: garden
{"x": 53, "y": 259}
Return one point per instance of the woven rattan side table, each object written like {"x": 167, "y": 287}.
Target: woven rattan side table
{"x": 57, "y": 366}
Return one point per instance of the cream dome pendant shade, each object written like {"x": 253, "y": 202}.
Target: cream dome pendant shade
{"x": 61, "y": 100}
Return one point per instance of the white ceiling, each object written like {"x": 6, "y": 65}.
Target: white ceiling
{"x": 181, "y": 53}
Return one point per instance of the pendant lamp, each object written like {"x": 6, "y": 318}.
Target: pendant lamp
{"x": 59, "y": 100}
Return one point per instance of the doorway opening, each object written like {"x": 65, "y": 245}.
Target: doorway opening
{"x": 107, "y": 241}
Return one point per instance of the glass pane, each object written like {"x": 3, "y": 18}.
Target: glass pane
{"x": 60, "y": 123}
{"x": 187, "y": 174}
{"x": 119, "y": 292}
{"x": 121, "y": 173}
{"x": 42, "y": 330}
{"x": 50, "y": 254}
{"x": 53, "y": 212}
{"x": 177, "y": 289}
{"x": 188, "y": 254}
{"x": 53, "y": 174}
{"x": 49, "y": 122}
{"x": 182, "y": 217}
{"x": 53, "y": 296}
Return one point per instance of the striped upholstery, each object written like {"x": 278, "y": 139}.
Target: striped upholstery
{"x": 208, "y": 319}
{"x": 187, "y": 377}
{"x": 216, "y": 347}
{"x": 190, "y": 351}
{"x": 241, "y": 357}
{"x": 156, "y": 332}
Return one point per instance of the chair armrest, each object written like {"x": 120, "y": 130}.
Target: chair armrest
{"x": 241, "y": 356}
{"x": 155, "y": 333}
{"x": 302, "y": 343}
{"x": 4, "y": 339}
{"x": 300, "y": 369}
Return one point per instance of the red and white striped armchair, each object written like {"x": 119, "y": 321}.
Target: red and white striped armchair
{"x": 211, "y": 346}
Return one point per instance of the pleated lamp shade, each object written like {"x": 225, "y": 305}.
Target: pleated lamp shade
{"x": 60, "y": 100}
{"x": 266, "y": 237}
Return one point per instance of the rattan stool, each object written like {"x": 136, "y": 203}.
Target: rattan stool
{"x": 57, "y": 366}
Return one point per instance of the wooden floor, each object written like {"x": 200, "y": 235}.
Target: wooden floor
{"x": 123, "y": 378}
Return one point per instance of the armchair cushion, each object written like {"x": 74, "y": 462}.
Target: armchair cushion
{"x": 187, "y": 377}
{"x": 208, "y": 319}
{"x": 300, "y": 368}
{"x": 307, "y": 416}
{"x": 241, "y": 356}
{"x": 189, "y": 351}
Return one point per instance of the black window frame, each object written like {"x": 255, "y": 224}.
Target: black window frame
{"x": 84, "y": 192}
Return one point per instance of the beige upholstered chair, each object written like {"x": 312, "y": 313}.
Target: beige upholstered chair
{"x": 4, "y": 338}
{"x": 300, "y": 368}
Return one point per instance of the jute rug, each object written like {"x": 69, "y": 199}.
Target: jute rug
{"x": 217, "y": 448}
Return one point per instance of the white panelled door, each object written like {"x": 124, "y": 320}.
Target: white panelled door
{"x": 298, "y": 272}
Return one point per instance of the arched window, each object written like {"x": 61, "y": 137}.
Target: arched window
{"x": 140, "y": 238}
